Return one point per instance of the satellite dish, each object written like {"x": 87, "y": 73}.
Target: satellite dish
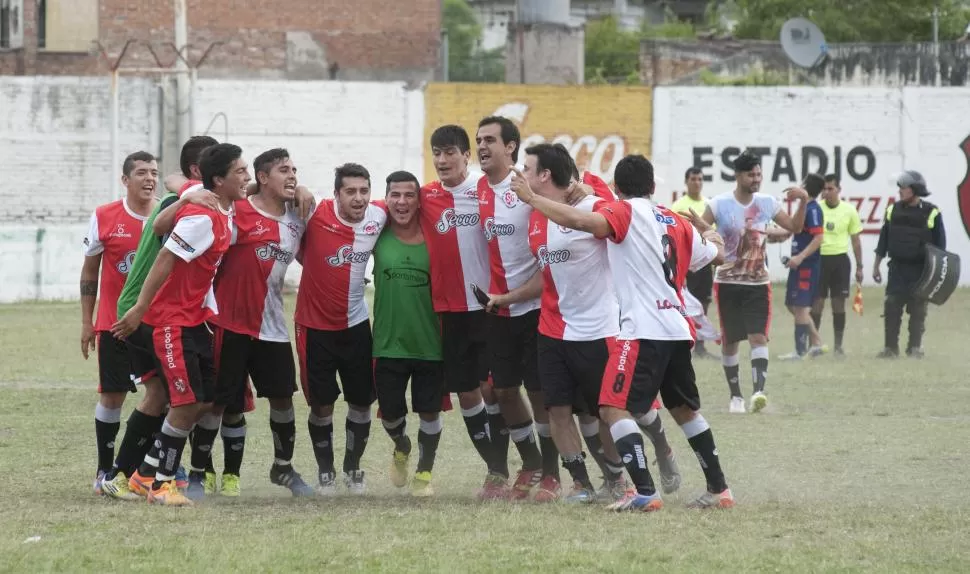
{"x": 803, "y": 42}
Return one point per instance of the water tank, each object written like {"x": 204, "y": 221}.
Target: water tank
{"x": 543, "y": 11}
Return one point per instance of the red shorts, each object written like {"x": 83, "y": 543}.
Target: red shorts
{"x": 184, "y": 359}
{"x": 639, "y": 370}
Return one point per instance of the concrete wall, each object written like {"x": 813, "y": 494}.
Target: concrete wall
{"x": 865, "y": 135}
{"x": 545, "y": 54}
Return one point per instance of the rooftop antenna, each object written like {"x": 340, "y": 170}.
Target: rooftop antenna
{"x": 803, "y": 43}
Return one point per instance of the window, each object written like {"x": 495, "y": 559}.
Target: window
{"x": 67, "y": 25}
{"x": 11, "y": 25}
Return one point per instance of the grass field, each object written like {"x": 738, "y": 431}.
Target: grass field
{"x": 857, "y": 465}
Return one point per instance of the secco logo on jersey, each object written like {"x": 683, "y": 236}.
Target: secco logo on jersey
{"x": 493, "y": 229}
{"x": 547, "y": 257}
{"x": 272, "y": 250}
{"x": 124, "y": 266}
{"x": 452, "y": 220}
{"x": 663, "y": 218}
{"x": 346, "y": 254}
{"x": 371, "y": 228}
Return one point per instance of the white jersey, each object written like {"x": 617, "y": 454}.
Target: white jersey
{"x": 578, "y": 300}
{"x": 651, "y": 251}
{"x": 505, "y": 222}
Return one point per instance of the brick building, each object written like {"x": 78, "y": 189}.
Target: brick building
{"x": 289, "y": 39}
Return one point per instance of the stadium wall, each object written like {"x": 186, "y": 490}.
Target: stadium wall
{"x": 866, "y": 135}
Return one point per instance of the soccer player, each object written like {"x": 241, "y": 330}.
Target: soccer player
{"x": 741, "y": 284}
{"x": 333, "y": 332}
{"x": 251, "y": 338}
{"x": 110, "y": 247}
{"x": 842, "y": 226}
{"x": 512, "y": 330}
{"x": 700, "y": 283}
{"x": 803, "y": 279}
{"x": 146, "y": 419}
{"x": 458, "y": 258}
{"x": 174, "y": 305}
{"x": 407, "y": 335}
{"x": 650, "y": 251}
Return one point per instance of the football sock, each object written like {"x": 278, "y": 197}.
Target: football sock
{"x": 525, "y": 443}
{"x": 817, "y": 319}
{"x": 476, "y": 423}
{"x": 397, "y": 430}
{"x": 731, "y": 372}
{"x": 283, "y": 426}
{"x": 428, "y": 437}
{"x": 801, "y": 339}
{"x": 498, "y": 433}
{"x": 172, "y": 443}
{"x": 591, "y": 435}
{"x": 107, "y": 422}
{"x": 547, "y": 447}
{"x": 759, "y": 368}
{"x": 321, "y": 437}
{"x": 202, "y": 438}
{"x": 653, "y": 427}
{"x": 575, "y": 464}
{"x": 701, "y": 439}
{"x": 233, "y": 444}
{"x": 629, "y": 443}
{"x": 838, "y": 324}
{"x": 135, "y": 444}
{"x": 358, "y": 431}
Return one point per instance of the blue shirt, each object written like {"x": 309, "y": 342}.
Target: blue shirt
{"x": 813, "y": 227}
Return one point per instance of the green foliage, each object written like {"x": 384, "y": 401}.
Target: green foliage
{"x": 611, "y": 52}
{"x": 854, "y": 20}
{"x": 466, "y": 61}
{"x": 756, "y": 77}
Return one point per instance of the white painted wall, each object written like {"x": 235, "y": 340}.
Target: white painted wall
{"x": 867, "y": 135}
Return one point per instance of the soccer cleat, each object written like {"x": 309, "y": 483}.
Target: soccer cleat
{"x": 97, "y": 483}
{"x": 737, "y": 406}
{"x": 421, "y": 485}
{"x": 758, "y": 402}
{"x": 793, "y": 356}
{"x": 168, "y": 495}
{"x": 210, "y": 483}
{"x": 524, "y": 482}
{"x": 839, "y": 352}
{"x": 287, "y": 477}
{"x": 549, "y": 490}
{"x": 915, "y": 353}
{"x": 181, "y": 478}
{"x": 580, "y": 495}
{"x": 230, "y": 485}
{"x": 354, "y": 480}
{"x": 140, "y": 485}
{"x": 612, "y": 490}
{"x": 117, "y": 488}
{"x": 196, "y": 488}
{"x": 633, "y": 500}
{"x": 669, "y": 472}
{"x": 327, "y": 485}
{"x": 888, "y": 353}
{"x": 399, "y": 468}
{"x": 710, "y": 500}
{"x": 495, "y": 487}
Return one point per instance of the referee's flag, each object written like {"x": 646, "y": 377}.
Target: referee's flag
{"x": 857, "y": 300}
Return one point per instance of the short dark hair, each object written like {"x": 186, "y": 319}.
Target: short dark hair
{"x": 215, "y": 161}
{"x": 265, "y": 161}
{"x": 692, "y": 171}
{"x": 192, "y": 151}
{"x": 402, "y": 177}
{"x": 747, "y": 161}
{"x": 451, "y": 136}
{"x": 814, "y": 183}
{"x": 129, "y": 163}
{"x": 555, "y": 158}
{"x": 832, "y": 178}
{"x": 574, "y": 169}
{"x": 349, "y": 170}
{"x": 633, "y": 176}
{"x": 510, "y": 132}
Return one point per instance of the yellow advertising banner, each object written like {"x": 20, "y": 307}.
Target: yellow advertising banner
{"x": 598, "y": 124}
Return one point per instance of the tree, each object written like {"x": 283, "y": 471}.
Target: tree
{"x": 612, "y": 53}
{"x": 854, "y": 20}
{"x": 466, "y": 61}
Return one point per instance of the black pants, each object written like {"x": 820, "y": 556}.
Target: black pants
{"x": 899, "y": 288}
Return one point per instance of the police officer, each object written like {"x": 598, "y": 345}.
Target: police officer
{"x": 910, "y": 224}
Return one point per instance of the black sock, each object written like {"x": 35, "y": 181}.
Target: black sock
{"x": 653, "y": 427}
{"x": 838, "y": 324}
{"x": 283, "y": 426}
{"x": 172, "y": 443}
{"x": 759, "y": 368}
{"x": 817, "y": 319}
{"x": 233, "y": 445}
{"x": 201, "y": 439}
{"x": 321, "y": 437}
{"x": 594, "y": 443}
{"x": 358, "y": 431}
{"x": 498, "y": 432}
{"x": 550, "y": 454}
{"x": 701, "y": 439}
{"x": 801, "y": 339}
{"x": 149, "y": 465}
{"x": 398, "y": 431}
{"x": 135, "y": 444}
{"x": 525, "y": 443}
{"x": 428, "y": 437}
{"x": 476, "y": 423}
{"x": 107, "y": 422}
{"x": 575, "y": 464}
{"x": 732, "y": 373}
{"x": 629, "y": 443}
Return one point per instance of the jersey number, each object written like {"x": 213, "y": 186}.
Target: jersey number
{"x": 618, "y": 383}
{"x": 670, "y": 260}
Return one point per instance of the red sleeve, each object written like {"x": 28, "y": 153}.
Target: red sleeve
{"x": 600, "y": 189}
{"x": 618, "y": 214}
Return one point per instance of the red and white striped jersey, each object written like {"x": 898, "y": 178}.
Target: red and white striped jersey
{"x": 114, "y": 232}
{"x": 452, "y": 229}
{"x": 505, "y": 221}
{"x": 249, "y": 284}
{"x": 578, "y": 301}
{"x": 334, "y": 255}
{"x": 651, "y": 250}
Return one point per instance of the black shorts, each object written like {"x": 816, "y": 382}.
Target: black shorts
{"x": 391, "y": 378}
{"x": 141, "y": 354}
{"x": 240, "y": 357}
{"x": 324, "y": 354}
{"x": 743, "y": 310}
{"x": 512, "y": 351}
{"x": 638, "y": 370}
{"x": 464, "y": 350}
{"x": 114, "y": 365}
{"x": 836, "y": 274}
{"x": 184, "y": 361}
{"x": 700, "y": 283}
{"x": 571, "y": 372}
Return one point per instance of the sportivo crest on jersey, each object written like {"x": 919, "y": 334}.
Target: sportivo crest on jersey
{"x": 493, "y": 230}
{"x": 272, "y": 250}
{"x": 451, "y": 220}
{"x": 510, "y": 199}
{"x": 346, "y": 254}
{"x": 547, "y": 258}
{"x": 124, "y": 266}
{"x": 371, "y": 228}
